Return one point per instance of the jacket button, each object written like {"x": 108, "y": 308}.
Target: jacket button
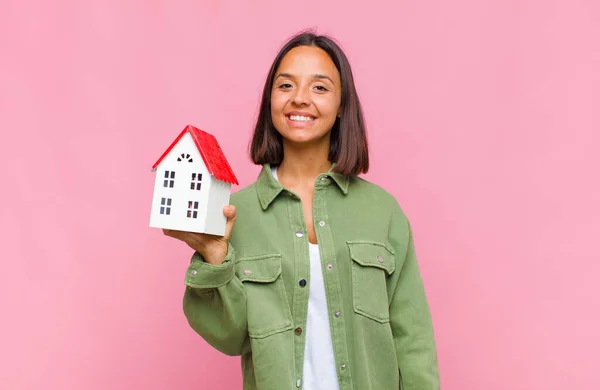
{"x": 298, "y": 331}
{"x": 302, "y": 282}
{"x": 380, "y": 259}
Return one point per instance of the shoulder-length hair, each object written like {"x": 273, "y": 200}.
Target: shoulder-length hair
{"x": 348, "y": 145}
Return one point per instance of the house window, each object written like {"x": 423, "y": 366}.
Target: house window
{"x": 165, "y": 206}
{"x": 169, "y": 179}
{"x": 196, "y": 179}
{"x": 185, "y": 156}
{"x": 192, "y": 209}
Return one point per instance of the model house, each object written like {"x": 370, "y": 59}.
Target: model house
{"x": 193, "y": 183}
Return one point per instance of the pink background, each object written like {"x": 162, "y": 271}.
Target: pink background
{"x": 483, "y": 119}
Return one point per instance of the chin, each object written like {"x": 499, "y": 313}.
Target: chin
{"x": 295, "y": 137}
{"x": 301, "y": 134}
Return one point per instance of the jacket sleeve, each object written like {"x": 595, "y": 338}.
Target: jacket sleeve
{"x": 214, "y": 304}
{"x": 410, "y": 317}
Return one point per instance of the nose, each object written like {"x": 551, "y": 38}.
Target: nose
{"x": 301, "y": 96}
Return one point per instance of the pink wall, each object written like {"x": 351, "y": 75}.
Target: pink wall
{"x": 483, "y": 118}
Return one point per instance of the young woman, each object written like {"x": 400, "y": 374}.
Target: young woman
{"x": 317, "y": 286}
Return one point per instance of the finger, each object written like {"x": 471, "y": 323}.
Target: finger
{"x": 172, "y": 233}
{"x": 178, "y": 234}
{"x": 230, "y": 212}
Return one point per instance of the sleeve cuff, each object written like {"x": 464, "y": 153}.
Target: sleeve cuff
{"x": 204, "y": 275}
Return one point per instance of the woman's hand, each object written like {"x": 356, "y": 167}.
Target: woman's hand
{"x": 212, "y": 248}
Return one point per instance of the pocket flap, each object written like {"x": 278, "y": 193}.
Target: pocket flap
{"x": 373, "y": 254}
{"x": 259, "y": 269}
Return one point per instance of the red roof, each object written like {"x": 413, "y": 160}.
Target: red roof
{"x": 211, "y": 153}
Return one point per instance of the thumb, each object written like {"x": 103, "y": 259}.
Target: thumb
{"x": 230, "y": 213}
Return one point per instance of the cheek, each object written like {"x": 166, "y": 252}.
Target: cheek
{"x": 277, "y": 103}
{"x": 328, "y": 107}
{"x": 277, "y": 107}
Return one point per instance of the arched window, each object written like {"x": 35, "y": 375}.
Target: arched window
{"x": 185, "y": 156}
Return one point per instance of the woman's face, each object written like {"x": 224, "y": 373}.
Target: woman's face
{"x": 306, "y": 95}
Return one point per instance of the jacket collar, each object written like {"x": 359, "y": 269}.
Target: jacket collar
{"x": 268, "y": 187}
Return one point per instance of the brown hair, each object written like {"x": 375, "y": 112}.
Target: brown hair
{"x": 348, "y": 148}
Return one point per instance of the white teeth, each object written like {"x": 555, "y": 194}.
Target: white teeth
{"x": 301, "y": 118}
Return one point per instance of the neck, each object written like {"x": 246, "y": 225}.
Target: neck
{"x": 303, "y": 163}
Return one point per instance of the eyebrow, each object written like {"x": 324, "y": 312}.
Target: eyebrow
{"x": 316, "y": 76}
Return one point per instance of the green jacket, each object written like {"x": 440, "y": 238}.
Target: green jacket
{"x": 253, "y": 305}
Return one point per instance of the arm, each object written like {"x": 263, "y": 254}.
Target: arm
{"x": 410, "y": 317}
{"x": 214, "y": 304}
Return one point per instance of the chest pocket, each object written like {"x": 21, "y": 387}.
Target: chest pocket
{"x": 268, "y": 308}
{"x": 372, "y": 263}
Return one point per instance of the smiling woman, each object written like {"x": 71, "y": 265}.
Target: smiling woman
{"x": 317, "y": 286}
{"x": 306, "y": 94}
{"x": 310, "y": 89}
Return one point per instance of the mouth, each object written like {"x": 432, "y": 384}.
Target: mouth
{"x": 300, "y": 118}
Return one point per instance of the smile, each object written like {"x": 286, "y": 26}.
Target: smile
{"x": 300, "y": 118}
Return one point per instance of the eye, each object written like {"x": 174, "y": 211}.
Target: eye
{"x": 285, "y": 86}
{"x": 321, "y": 88}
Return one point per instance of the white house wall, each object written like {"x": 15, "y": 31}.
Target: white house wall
{"x": 218, "y": 197}
{"x": 181, "y": 193}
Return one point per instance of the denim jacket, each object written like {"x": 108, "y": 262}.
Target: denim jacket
{"x": 254, "y": 306}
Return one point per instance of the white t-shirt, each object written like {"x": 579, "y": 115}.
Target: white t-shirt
{"x": 319, "y": 370}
